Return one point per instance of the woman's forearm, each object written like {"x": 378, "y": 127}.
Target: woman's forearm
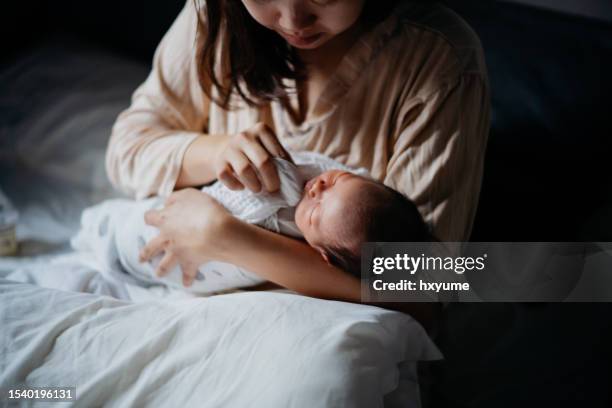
{"x": 197, "y": 167}
{"x": 289, "y": 263}
{"x": 296, "y": 266}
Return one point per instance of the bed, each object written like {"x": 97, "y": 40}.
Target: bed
{"x": 545, "y": 171}
{"x": 64, "y": 325}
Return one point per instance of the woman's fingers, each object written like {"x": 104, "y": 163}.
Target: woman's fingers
{"x": 272, "y": 145}
{"x": 189, "y": 273}
{"x": 264, "y": 163}
{"x": 154, "y": 217}
{"x": 153, "y": 247}
{"x": 168, "y": 262}
{"x": 246, "y": 160}
{"x": 227, "y": 177}
{"x": 244, "y": 171}
{"x": 170, "y": 200}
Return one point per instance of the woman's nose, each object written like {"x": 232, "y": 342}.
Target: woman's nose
{"x": 296, "y": 17}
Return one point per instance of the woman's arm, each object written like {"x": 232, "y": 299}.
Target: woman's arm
{"x": 197, "y": 167}
{"x": 287, "y": 262}
{"x": 295, "y": 265}
{"x": 167, "y": 115}
{"x": 160, "y": 143}
{"x": 195, "y": 229}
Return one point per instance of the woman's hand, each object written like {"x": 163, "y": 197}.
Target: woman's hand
{"x": 245, "y": 160}
{"x": 195, "y": 229}
{"x": 191, "y": 228}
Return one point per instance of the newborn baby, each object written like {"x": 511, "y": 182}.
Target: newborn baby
{"x": 332, "y": 207}
{"x": 340, "y": 210}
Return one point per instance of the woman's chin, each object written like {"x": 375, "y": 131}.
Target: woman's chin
{"x": 305, "y": 44}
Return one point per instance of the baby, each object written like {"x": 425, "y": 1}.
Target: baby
{"x": 332, "y": 207}
{"x": 340, "y": 210}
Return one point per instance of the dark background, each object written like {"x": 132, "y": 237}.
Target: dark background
{"x": 547, "y": 178}
{"x": 547, "y": 175}
{"x": 596, "y": 9}
{"x": 132, "y": 28}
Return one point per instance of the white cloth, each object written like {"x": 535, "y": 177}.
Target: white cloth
{"x": 114, "y": 231}
{"x": 253, "y": 349}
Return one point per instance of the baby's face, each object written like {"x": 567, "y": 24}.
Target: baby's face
{"x": 326, "y": 205}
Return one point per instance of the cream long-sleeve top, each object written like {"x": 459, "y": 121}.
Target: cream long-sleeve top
{"x": 409, "y": 102}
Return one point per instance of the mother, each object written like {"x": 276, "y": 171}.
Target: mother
{"x": 398, "y": 87}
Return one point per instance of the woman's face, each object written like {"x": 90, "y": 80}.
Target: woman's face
{"x": 306, "y": 24}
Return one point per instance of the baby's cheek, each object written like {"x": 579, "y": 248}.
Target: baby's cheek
{"x": 307, "y": 235}
{"x": 299, "y": 215}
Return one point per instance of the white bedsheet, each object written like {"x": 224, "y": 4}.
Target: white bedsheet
{"x": 244, "y": 349}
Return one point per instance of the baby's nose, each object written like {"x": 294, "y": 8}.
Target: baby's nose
{"x": 317, "y": 188}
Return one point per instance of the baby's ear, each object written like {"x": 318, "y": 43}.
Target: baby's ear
{"x": 323, "y": 255}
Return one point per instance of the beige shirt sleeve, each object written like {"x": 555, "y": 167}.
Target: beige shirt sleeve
{"x": 168, "y": 111}
{"x": 438, "y": 156}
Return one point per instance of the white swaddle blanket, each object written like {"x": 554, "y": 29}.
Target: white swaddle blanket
{"x": 114, "y": 231}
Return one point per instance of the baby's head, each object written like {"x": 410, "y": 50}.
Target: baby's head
{"x": 340, "y": 210}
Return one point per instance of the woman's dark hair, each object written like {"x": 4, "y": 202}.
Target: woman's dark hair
{"x": 257, "y": 59}
{"x": 384, "y": 215}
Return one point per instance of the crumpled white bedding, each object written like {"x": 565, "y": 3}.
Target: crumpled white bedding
{"x": 167, "y": 347}
{"x": 134, "y": 346}
{"x": 243, "y": 349}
